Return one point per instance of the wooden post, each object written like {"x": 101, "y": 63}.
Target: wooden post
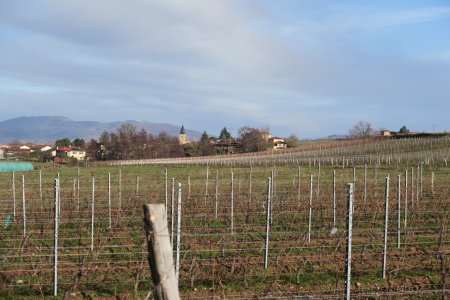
{"x": 160, "y": 256}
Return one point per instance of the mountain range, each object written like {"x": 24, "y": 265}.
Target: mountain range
{"x": 44, "y": 129}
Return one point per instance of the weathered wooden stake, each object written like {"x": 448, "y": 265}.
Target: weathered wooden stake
{"x": 160, "y": 255}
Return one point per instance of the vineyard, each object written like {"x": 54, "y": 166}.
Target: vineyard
{"x": 269, "y": 226}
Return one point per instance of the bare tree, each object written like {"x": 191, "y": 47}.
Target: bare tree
{"x": 252, "y": 139}
{"x": 361, "y": 130}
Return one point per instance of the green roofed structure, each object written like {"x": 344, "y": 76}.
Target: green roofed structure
{"x": 15, "y": 166}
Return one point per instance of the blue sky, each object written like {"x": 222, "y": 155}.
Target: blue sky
{"x": 312, "y": 68}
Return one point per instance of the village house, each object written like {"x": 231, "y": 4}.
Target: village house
{"x": 70, "y": 152}
{"x": 227, "y": 146}
{"x": 278, "y": 143}
{"x": 386, "y": 133}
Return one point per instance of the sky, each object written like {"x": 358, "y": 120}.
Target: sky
{"x": 310, "y": 68}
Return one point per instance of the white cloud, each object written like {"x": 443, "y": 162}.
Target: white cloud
{"x": 213, "y": 61}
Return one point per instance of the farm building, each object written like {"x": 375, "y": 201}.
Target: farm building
{"x": 278, "y": 143}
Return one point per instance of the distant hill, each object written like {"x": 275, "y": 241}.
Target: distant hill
{"x": 42, "y": 129}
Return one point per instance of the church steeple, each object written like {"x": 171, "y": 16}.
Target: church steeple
{"x": 182, "y": 136}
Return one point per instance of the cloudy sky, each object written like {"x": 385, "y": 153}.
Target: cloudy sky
{"x": 313, "y": 68}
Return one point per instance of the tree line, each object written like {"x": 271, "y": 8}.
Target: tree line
{"x": 127, "y": 142}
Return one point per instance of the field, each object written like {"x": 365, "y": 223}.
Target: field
{"x": 223, "y": 224}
